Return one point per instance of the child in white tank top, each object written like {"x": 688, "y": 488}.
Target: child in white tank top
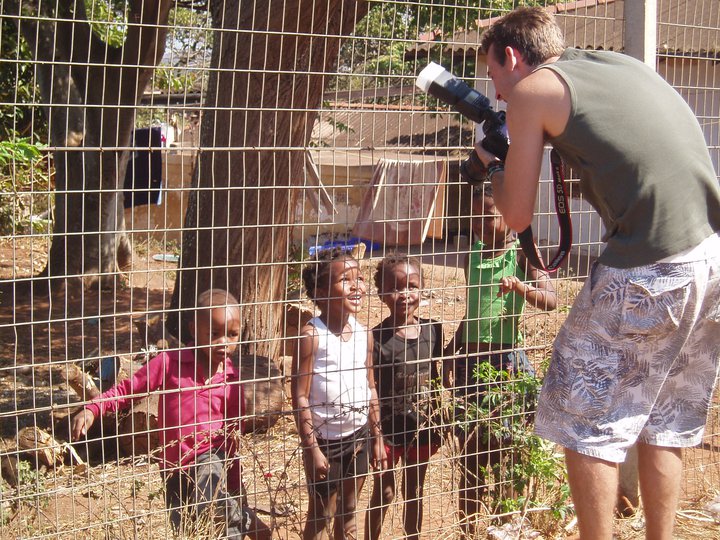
{"x": 334, "y": 398}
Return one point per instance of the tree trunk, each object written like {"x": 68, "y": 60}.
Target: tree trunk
{"x": 269, "y": 65}
{"x": 91, "y": 90}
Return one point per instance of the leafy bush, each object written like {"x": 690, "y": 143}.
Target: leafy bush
{"x": 533, "y": 472}
{"x": 24, "y": 186}
{"x": 19, "y": 112}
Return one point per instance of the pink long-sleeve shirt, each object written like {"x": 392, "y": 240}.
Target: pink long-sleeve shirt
{"x": 193, "y": 415}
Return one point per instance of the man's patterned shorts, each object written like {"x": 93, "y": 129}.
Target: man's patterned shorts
{"x": 637, "y": 359}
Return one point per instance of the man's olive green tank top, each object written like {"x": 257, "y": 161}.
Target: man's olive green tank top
{"x": 641, "y": 156}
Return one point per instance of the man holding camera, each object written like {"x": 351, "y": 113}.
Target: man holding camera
{"x": 637, "y": 359}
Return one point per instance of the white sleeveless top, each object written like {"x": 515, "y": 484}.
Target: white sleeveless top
{"x": 339, "y": 392}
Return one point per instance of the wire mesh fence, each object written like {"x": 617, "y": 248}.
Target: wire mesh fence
{"x": 151, "y": 152}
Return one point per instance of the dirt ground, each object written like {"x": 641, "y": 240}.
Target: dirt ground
{"x": 122, "y": 497}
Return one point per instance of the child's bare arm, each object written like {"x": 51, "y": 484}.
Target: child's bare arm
{"x": 302, "y": 372}
{"x": 538, "y": 290}
{"x": 379, "y": 457}
{"x": 146, "y": 379}
{"x": 456, "y": 344}
{"x": 542, "y": 294}
{"x": 451, "y": 350}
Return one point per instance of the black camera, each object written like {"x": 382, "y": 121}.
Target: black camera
{"x": 440, "y": 83}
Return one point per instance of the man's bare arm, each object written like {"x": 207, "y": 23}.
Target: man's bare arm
{"x": 538, "y": 106}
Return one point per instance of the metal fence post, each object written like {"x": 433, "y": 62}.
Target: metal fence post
{"x": 641, "y": 31}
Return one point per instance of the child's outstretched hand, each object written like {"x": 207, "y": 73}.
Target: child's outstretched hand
{"x": 81, "y": 423}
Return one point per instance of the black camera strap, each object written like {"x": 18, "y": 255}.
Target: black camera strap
{"x": 527, "y": 242}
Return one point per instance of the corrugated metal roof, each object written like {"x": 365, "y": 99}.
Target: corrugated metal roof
{"x": 593, "y": 25}
{"x": 685, "y": 28}
{"x": 689, "y": 27}
{"x": 384, "y": 128}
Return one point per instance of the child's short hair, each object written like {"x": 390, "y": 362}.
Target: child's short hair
{"x": 392, "y": 259}
{"x": 317, "y": 267}
{"x": 211, "y": 298}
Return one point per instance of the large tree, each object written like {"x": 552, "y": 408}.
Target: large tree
{"x": 90, "y": 86}
{"x": 269, "y": 67}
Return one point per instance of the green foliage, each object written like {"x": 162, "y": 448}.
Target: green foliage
{"x": 386, "y": 32}
{"x": 20, "y": 114}
{"x": 24, "y": 186}
{"x": 183, "y": 68}
{"x": 531, "y": 469}
{"x": 187, "y": 55}
{"x": 296, "y": 255}
{"x": 168, "y": 80}
{"x": 20, "y": 151}
{"x": 158, "y": 493}
{"x": 108, "y": 20}
{"x": 31, "y": 483}
{"x": 17, "y": 86}
{"x": 391, "y": 27}
{"x": 377, "y": 47}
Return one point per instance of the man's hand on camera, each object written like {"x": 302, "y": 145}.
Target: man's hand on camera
{"x": 485, "y": 156}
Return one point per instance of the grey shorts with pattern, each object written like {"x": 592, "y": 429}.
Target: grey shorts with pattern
{"x": 637, "y": 359}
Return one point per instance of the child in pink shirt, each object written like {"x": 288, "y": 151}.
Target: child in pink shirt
{"x": 199, "y": 414}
